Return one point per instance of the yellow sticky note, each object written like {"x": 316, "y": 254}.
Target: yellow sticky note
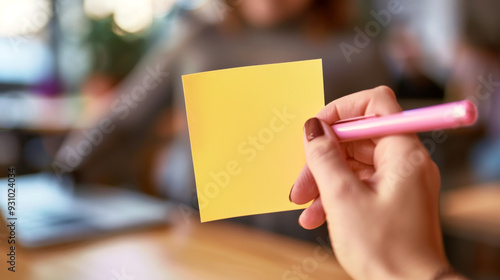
{"x": 245, "y": 126}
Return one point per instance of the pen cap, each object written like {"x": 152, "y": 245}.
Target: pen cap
{"x": 468, "y": 111}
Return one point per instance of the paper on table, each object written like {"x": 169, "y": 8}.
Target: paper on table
{"x": 245, "y": 126}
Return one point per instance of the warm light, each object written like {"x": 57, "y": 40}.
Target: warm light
{"x": 21, "y": 17}
{"x": 133, "y": 16}
{"x": 195, "y": 4}
{"x": 129, "y": 16}
{"x": 99, "y": 9}
{"x": 162, "y": 7}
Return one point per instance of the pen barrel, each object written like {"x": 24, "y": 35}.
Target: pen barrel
{"x": 438, "y": 117}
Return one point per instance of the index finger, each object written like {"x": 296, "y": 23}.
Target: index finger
{"x": 380, "y": 101}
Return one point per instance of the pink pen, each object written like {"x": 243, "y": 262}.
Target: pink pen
{"x": 444, "y": 116}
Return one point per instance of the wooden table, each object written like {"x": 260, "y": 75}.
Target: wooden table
{"x": 471, "y": 216}
{"x": 184, "y": 250}
{"x": 473, "y": 212}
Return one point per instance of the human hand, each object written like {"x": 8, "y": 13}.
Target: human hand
{"x": 379, "y": 196}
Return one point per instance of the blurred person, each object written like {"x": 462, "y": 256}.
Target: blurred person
{"x": 383, "y": 222}
{"x": 476, "y": 76}
{"x": 406, "y": 51}
{"x": 149, "y": 143}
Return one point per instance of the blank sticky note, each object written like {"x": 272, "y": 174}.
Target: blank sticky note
{"x": 245, "y": 127}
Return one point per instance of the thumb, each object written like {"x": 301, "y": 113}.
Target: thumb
{"x": 327, "y": 163}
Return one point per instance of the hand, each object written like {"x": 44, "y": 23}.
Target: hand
{"x": 379, "y": 196}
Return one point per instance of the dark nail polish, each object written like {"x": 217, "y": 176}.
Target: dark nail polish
{"x": 290, "y": 195}
{"x": 313, "y": 128}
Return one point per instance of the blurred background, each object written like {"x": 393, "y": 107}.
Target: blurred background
{"x": 107, "y": 73}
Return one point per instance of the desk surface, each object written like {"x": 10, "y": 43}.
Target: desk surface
{"x": 473, "y": 212}
{"x": 185, "y": 250}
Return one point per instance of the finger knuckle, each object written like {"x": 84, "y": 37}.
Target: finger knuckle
{"x": 385, "y": 91}
{"x": 432, "y": 172}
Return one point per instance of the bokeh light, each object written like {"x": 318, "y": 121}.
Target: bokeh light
{"x": 129, "y": 16}
{"x": 161, "y": 8}
{"x": 133, "y": 16}
{"x": 22, "y": 17}
{"x": 99, "y": 9}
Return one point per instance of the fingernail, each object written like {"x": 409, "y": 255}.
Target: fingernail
{"x": 299, "y": 222}
{"x": 313, "y": 128}
{"x": 290, "y": 195}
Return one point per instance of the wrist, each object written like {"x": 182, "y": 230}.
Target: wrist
{"x": 448, "y": 274}
{"x": 422, "y": 269}
{"x": 443, "y": 273}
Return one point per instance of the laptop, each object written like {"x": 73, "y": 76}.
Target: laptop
{"x": 51, "y": 211}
